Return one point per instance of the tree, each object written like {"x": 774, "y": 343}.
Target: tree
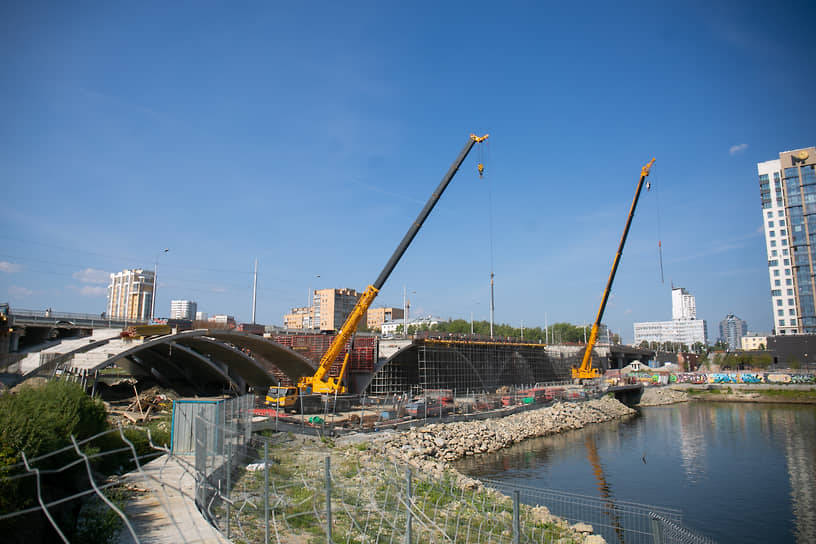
{"x": 38, "y": 420}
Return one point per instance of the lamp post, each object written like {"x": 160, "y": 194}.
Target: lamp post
{"x": 156, "y": 282}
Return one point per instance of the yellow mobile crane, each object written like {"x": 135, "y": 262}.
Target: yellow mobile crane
{"x": 587, "y": 371}
{"x": 320, "y": 382}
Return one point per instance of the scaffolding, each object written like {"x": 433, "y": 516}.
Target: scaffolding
{"x": 463, "y": 365}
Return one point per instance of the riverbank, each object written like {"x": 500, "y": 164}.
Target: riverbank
{"x": 431, "y": 448}
{"x": 368, "y": 477}
{"x": 756, "y": 393}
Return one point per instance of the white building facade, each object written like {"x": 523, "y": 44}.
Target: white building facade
{"x": 684, "y": 328}
{"x": 676, "y": 331}
{"x": 183, "y": 309}
{"x": 130, "y": 294}
{"x": 787, "y": 189}
{"x": 683, "y": 304}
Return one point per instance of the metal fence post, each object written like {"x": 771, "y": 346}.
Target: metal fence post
{"x": 516, "y": 521}
{"x": 657, "y": 533}
{"x": 328, "y": 501}
{"x": 229, "y": 466}
{"x": 410, "y": 514}
{"x": 266, "y": 491}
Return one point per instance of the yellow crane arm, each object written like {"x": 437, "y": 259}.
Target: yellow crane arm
{"x": 587, "y": 371}
{"x": 332, "y": 384}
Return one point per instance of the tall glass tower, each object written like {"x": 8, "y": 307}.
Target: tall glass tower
{"x": 787, "y": 188}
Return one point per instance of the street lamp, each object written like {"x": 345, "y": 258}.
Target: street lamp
{"x": 156, "y": 281}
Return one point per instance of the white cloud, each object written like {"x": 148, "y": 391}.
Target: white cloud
{"x": 16, "y": 291}
{"x": 6, "y": 266}
{"x": 93, "y": 291}
{"x": 91, "y": 275}
{"x": 739, "y": 148}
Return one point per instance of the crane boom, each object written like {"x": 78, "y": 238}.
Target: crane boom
{"x": 587, "y": 371}
{"x": 319, "y": 382}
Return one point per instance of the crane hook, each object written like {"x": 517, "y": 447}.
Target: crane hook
{"x": 480, "y": 166}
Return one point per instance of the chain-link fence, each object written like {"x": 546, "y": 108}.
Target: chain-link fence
{"x": 287, "y": 488}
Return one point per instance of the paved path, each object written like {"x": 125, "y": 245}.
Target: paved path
{"x": 163, "y": 509}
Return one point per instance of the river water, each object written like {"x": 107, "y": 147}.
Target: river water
{"x": 738, "y": 472}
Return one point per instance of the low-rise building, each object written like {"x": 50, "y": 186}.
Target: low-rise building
{"x": 377, "y": 316}
{"x": 754, "y": 341}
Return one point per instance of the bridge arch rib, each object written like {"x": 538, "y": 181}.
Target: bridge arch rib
{"x": 237, "y": 358}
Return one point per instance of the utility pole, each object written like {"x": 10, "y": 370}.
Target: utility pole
{"x": 254, "y": 291}
{"x": 155, "y": 282}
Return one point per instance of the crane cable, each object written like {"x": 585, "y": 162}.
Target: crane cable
{"x": 657, "y": 212}
{"x": 480, "y": 167}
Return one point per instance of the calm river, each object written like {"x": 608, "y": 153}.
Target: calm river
{"x": 738, "y": 472}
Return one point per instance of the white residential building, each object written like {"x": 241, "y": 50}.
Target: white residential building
{"x": 683, "y": 304}
{"x": 130, "y": 294}
{"x": 183, "y": 309}
{"x": 787, "y": 190}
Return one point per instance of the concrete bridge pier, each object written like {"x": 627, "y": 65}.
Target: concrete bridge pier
{"x": 628, "y": 394}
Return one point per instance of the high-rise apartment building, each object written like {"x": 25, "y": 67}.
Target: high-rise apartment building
{"x": 732, "y": 329}
{"x": 787, "y": 189}
{"x": 183, "y": 309}
{"x": 683, "y": 304}
{"x": 331, "y": 307}
{"x": 130, "y": 294}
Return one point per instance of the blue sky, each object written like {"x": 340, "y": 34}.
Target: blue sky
{"x": 308, "y": 135}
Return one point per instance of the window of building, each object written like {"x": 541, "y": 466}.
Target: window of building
{"x": 770, "y": 214}
{"x": 786, "y": 262}
{"x": 779, "y": 302}
{"x": 763, "y": 178}
{"x": 784, "y": 242}
{"x": 770, "y": 224}
{"x": 773, "y": 253}
{"x": 793, "y": 322}
{"x": 790, "y": 301}
{"x": 781, "y": 213}
{"x": 782, "y": 324}
{"x": 772, "y": 232}
{"x": 782, "y": 232}
{"x": 788, "y": 281}
{"x": 790, "y": 293}
{"x": 780, "y": 312}
{"x": 784, "y": 252}
{"x": 776, "y": 283}
{"x": 787, "y": 271}
{"x": 773, "y": 243}
{"x": 776, "y": 273}
{"x": 781, "y": 222}
{"x": 791, "y": 312}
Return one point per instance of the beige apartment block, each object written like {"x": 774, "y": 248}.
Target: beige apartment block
{"x": 300, "y": 318}
{"x": 331, "y": 307}
{"x": 377, "y": 316}
{"x": 130, "y": 294}
{"x": 752, "y": 342}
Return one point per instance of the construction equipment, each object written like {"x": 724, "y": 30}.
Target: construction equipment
{"x": 320, "y": 382}
{"x": 586, "y": 370}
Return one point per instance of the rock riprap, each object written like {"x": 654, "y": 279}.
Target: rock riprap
{"x": 445, "y": 442}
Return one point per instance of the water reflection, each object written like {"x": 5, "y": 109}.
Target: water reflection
{"x": 738, "y": 472}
